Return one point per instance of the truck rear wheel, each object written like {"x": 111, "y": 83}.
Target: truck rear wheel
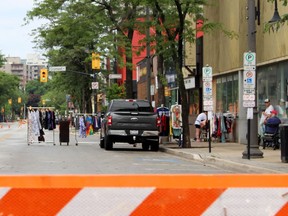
{"x": 108, "y": 143}
{"x": 154, "y": 145}
{"x": 102, "y": 143}
{"x": 145, "y": 146}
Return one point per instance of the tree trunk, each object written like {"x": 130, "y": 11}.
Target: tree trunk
{"x": 160, "y": 75}
{"x": 183, "y": 96}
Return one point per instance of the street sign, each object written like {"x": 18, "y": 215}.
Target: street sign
{"x": 94, "y": 85}
{"x": 207, "y": 108}
{"x": 207, "y": 73}
{"x": 249, "y": 91}
{"x": 57, "y": 68}
{"x": 115, "y": 76}
{"x": 248, "y": 97}
{"x": 249, "y": 59}
{"x": 207, "y": 87}
{"x": 249, "y": 79}
{"x": 189, "y": 83}
{"x": 249, "y": 104}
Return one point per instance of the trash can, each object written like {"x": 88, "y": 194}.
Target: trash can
{"x": 64, "y": 132}
{"x": 284, "y": 142}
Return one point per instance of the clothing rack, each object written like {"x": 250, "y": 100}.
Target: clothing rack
{"x": 77, "y": 115}
{"x": 28, "y": 124}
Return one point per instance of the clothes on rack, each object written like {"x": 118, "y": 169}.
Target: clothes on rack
{"x": 89, "y": 126}
{"x": 37, "y": 120}
{"x": 163, "y": 115}
{"x": 34, "y": 120}
{"x": 222, "y": 124}
{"x": 34, "y": 124}
{"x": 49, "y": 120}
{"x": 82, "y": 127}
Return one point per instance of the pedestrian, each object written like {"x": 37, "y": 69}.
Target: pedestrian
{"x": 272, "y": 123}
{"x": 265, "y": 114}
{"x": 200, "y": 122}
{"x": 281, "y": 109}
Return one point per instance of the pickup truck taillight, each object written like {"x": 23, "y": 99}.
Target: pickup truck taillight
{"x": 109, "y": 120}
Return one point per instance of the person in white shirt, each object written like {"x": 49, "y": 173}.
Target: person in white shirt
{"x": 265, "y": 114}
{"x": 200, "y": 122}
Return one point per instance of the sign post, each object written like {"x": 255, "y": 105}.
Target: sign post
{"x": 249, "y": 102}
{"x": 207, "y": 96}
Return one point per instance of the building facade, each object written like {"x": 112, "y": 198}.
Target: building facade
{"x": 25, "y": 69}
{"x": 225, "y": 56}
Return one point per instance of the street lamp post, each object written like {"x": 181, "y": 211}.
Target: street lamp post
{"x": 252, "y": 149}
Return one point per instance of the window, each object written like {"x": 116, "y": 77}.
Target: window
{"x": 227, "y": 94}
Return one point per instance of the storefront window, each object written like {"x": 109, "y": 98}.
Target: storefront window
{"x": 227, "y": 94}
{"x": 272, "y": 84}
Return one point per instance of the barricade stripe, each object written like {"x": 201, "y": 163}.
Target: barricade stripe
{"x": 178, "y": 202}
{"x": 35, "y": 201}
{"x": 158, "y": 181}
{"x": 248, "y": 201}
{"x": 105, "y": 201}
{"x": 283, "y": 211}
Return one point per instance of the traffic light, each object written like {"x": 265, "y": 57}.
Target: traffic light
{"x": 95, "y": 61}
{"x": 43, "y": 75}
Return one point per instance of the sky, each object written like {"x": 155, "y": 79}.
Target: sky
{"x": 15, "y": 40}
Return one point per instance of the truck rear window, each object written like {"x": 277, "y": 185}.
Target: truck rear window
{"x": 131, "y": 106}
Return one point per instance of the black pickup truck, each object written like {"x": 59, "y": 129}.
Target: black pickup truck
{"x": 131, "y": 121}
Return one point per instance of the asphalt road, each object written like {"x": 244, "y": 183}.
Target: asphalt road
{"x": 17, "y": 157}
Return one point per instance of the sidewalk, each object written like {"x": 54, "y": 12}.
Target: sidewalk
{"x": 229, "y": 156}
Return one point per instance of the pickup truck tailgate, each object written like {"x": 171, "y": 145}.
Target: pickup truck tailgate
{"x": 139, "y": 120}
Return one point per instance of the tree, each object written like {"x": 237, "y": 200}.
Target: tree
{"x": 34, "y": 91}
{"x": 2, "y": 59}
{"x": 114, "y": 91}
{"x": 70, "y": 32}
{"x": 171, "y": 19}
{"x": 9, "y": 88}
{"x": 123, "y": 15}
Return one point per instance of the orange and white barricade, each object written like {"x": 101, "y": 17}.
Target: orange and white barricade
{"x": 144, "y": 195}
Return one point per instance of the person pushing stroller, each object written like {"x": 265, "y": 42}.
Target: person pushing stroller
{"x": 271, "y": 130}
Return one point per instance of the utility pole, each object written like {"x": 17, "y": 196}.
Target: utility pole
{"x": 148, "y": 57}
{"x": 252, "y": 149}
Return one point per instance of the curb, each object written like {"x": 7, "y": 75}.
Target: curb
{"x": 211, "y": 160}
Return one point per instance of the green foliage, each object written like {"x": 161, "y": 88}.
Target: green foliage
{"x": 2, "y": 60}
{"x": 9, "y": 87}
{"x": 115, "y": 92}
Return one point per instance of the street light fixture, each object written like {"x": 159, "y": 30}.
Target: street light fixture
{"x": 276, "y": 17}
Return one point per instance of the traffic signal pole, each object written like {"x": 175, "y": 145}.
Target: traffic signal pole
{"x": 95, "y": 93}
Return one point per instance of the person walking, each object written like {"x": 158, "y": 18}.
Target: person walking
{"x": 265, "y": 114}
{"x": 200, "y": 122}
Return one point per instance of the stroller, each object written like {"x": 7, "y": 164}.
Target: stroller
{"x": 271, "y": 139}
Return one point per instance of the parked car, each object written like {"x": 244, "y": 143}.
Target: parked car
{"x": 131, "y": 121}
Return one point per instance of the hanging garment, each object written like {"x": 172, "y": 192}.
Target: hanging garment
{"x": 50, "y": 123}
{"x": 35, "y": 121}
{"x": 82, "y": 127}
{"x": 89, "y": 126}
